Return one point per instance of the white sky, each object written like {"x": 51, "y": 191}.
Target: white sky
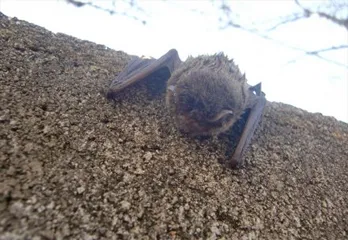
{"x": 309, "y": 83}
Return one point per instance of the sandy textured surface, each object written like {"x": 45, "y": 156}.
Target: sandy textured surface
{"x": 76, "y": 166}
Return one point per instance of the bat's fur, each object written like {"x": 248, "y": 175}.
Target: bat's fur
{"x": 207, "y": 95}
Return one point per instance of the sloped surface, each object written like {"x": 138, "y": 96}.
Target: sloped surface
{"x": 74, "y": 165}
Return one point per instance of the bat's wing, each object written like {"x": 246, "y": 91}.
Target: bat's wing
{"x": 139, "y": 68}
{"x": 250, "y": 126}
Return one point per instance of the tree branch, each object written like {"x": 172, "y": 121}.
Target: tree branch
{"x": 312, "y": 53}
{"x": 326, "y": 49}
{"x": 316, "y": 53}
{"x": 290, "y": 18}
{"x": 334, "y": 19}
{"x": 132, "y": 4}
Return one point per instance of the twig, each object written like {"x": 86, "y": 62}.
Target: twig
{"x": 290, "y": 18}
{"x": 230, "y": 23}
{"x": 78, "y": 3}
{"x": 340, "y": 22}
{"x": 326, "y": 49}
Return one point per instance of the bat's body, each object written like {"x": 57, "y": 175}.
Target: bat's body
{"x": 206, "y": 95}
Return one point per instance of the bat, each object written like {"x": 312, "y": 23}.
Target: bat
{"x": 206, "y": 95}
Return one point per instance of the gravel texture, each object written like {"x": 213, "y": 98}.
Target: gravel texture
{"x": 74, "y": 165}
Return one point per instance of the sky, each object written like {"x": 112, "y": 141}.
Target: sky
{"x": 287, "y": 75}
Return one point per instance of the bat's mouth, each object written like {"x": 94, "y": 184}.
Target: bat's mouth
{"x": 190, "y": 124}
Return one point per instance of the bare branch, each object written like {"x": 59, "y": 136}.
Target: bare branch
{"x": 288, "y": 19}
{"x": 334, "y": 19}
{"x": 306, "y": 13}
{"x": 320, "y": 57}
{"x": 76, "y": 3}
{"x": 326, "y": 49}
{"x": 227, "y": 12}
{"x": 132, "y": 4}
{"x": 317, "y": 54}
{"x": 312, "y": 53}
{"x": 230, "y": 18}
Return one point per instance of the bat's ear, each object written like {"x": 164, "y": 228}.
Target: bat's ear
{"x": 257, "y": 90}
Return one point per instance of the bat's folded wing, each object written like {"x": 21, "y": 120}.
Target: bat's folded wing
{"x": 140, "y": 67}
{"x": 252, "y": 122}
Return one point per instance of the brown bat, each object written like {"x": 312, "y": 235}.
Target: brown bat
{"x": 206, "y": 95}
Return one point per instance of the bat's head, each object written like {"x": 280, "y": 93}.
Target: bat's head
{"x": 207, "y": 95}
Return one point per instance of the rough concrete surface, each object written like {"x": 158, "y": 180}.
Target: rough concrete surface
{"x": 77, "y": 166}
